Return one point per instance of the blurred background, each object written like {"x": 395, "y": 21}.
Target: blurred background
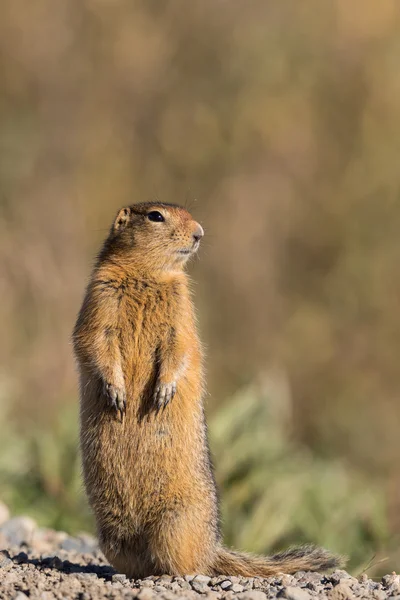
{"x": 278, "y": 123}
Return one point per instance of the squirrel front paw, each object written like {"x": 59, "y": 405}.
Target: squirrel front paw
{"x": 163, "y": 394}
{"x": 116, "y": 396}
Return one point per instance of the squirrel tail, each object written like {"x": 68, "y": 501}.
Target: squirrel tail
{"x": 301, "y": 558}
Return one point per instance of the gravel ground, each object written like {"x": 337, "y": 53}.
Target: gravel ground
{"x": 46, "y": 564}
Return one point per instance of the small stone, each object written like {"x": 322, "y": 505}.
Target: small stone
{"x": 311, "y": 585}
{"x": 168, "y": 596}
{"x": 184, "y": 585}
{"x": 236, "y": 588}
{"x": 287, "y": 580}
{"x": 199, "y": 586}
{"x": 189, "y": 577}
{"x": 338, "y": 575}
{"x": 146, "y": 583}
{"x": 70, "y": 544}
{"x": 118, "y": 577}
{"x": 392, "y": 584}
{"x": 47, "y": 596}
{"x": 203, "y": 578}
{"x": 341, "y": 592}
{"x": 293, "y": 593}
{"x": 174, "y": 586}
{"x": 226, "y": 584}
{"x": 145, "y": 594}
{"x": 18, "y": 530}
{"x": 20, "y": 596}
{"x": 86, "y": 576}
{"x": 58, "y": 536}
{"x": 315, "y": 577}
{"x": 85, "y": 544}
{"x": 253, "y": 595}
{"x": 4, "y": 513}
{"x": 89, "y": 542}
{"x": 390, "y": 579}
{"x": 247, "y": 584}
{"x": 5, "y": 561}
{"x": 217, "y": 580}
{"x": 164, "y": 579}
{"x": 379, "y": 595}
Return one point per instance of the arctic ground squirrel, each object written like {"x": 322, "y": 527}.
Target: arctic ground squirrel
{"x": 146, "y": 460}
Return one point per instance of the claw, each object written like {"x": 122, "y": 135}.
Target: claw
{"x": 163, "y": 395}
{"x": 116, "y": 397}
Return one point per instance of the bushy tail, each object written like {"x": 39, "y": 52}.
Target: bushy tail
{"x": 301, "y": 558}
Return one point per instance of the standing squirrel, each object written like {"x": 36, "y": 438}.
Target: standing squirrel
{"x": 144, "y": 445}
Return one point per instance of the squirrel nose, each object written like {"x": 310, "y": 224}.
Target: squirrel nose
{"x": 198, "y": 233}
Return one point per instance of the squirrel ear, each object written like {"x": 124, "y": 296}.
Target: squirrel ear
{"x": 122, "y": 219}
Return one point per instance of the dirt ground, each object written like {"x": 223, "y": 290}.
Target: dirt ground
{"x": 46, "y": 564}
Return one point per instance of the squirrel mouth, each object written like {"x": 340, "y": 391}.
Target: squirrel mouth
{"x": 187, "y": 251}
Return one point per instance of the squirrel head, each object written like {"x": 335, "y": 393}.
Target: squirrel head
{"x": 155, "y": 235}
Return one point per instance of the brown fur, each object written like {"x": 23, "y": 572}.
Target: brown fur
{"x": 144, "y": 446}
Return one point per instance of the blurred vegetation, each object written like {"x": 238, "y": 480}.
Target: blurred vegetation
{"x": 278, "y": 123}
{"x": 274, "y": 492}
{"x": 40, "y": 472}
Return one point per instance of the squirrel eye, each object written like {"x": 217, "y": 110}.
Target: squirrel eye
{"x": 154, "y": 215}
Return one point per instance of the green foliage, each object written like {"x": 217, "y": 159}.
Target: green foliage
{"x": 276, "y": 492}
{"x": 40, "y": 473}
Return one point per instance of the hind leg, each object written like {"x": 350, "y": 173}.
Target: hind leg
{"x": 129, "y": 556}
{"x": 182, "y": 542}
